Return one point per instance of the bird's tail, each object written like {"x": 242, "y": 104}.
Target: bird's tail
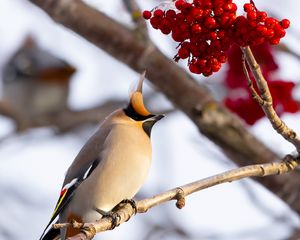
{"x": 51, "y": 234}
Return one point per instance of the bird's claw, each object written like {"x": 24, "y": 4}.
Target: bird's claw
{"x": 131, "y": 202}
{"x": 115, "y": 217}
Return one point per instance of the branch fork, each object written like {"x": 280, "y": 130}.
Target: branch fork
{"x": 264, "y": 98}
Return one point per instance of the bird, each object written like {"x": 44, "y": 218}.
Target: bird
{"x": 111, "y": 167}
{"x": 35, "y": 82}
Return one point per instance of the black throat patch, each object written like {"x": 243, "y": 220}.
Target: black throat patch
{"x": 130, "y": 112}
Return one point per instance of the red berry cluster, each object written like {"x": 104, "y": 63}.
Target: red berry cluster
{"x": 206, "y": 29}
{"x": 256, "y": 27}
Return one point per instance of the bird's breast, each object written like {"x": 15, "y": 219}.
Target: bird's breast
{"x": 124, "y": 165}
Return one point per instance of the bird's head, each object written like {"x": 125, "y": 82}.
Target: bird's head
{"x": 137, "y": 111}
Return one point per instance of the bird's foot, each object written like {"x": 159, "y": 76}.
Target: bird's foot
{"x": 115, "y": 217}
{"x": 131, "y": 202}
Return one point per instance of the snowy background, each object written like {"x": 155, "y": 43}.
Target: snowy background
{"x": 32, "y": 165}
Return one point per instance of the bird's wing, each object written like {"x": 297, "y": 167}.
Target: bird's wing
{"x": 89, "y": 153}
{"x": 81, "y": 168}
{"x": 67, "y": 192}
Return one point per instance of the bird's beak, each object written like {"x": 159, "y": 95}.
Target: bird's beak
{"x": 156, "y": 118}
{"x": 149, "y": 122}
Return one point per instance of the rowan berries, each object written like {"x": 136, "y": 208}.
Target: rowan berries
{"x": 147, "y": 14}
{"x": 206, "y": 29}
{"x": 285, "y": 23}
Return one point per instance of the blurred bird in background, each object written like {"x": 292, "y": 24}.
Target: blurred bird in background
{"x": 111, "y": 167}
{"x": 35, "y": 82}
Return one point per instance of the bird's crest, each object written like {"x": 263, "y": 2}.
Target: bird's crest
{"x": 136, "y": 98}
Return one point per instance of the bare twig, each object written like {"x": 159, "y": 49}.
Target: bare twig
{"x": 288, "y": 164}
{"x": 253, "y": 92}
{"x": 266, "y": 102}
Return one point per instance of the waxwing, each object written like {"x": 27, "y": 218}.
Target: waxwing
{"x": 111, "y": 166}
{"x": 35, "y": 82}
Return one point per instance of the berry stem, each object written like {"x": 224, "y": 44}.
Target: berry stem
{"x": 265, "y": 99}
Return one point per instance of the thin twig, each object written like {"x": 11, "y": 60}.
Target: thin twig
{"x": 267, "y": 104}
{"x": 254, "y": 93}
{"x": 288, "y": 164}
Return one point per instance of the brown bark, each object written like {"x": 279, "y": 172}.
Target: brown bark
{"x": 211, "y": 118}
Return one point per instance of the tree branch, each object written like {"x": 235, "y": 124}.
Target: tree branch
{"x": 211, "y": 118}
{"x": 68, "y": 119}
{"x": 89, "y": 230}
{"x": 62, "y": 121}
{"x": 265, "y": 100}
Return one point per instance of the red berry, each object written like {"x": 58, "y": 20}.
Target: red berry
{"x": 197, "y": 3}
{"x": 218, "y": 11}
{"x": 180, "y": 17}
{"x": 184, "y": 27}
{"x": 280, "y": 32}
{"x": 274, "y": 41}
{"x": 261, "y": 16}
{"x": 251, "y": 15}
{"x": 213, "y": 35}
{"x": 216, "y": 67}
{"x": 258, "y": 40}
{"x": 210, "y": 22}
{"x": 158, "y": 13}
{"x": 270, "y": 22}
{"x": 155, "y": 22}
{"x": 285, "y": 23}
{"x": 202, "y": 62}
{"x": 189, "y": 19}
{"x": 176, "y": 35}
{"x": 270, "y": 33}
{"x": 206, "y": 4}
{"x": 179, "y": 4}
{"x": 230, "y": 7}
{"x": 221, "y": 34}
{"x": 194, "y": 68}
{"x": 222, "y": 58}
{"x": 262, "y": 30}
{"x": 186, "y": 7}
{"x": 197, "y": 13}
{"x": 183, "y": 52}
{"x": 164, "y": 26}
{"x": 207, "y": 73}
{"x": 171, "y": 14}
{"x": 147, "y": 14}
{"x": 207, "y": 12}
{"x": 196, "y": 28}
{"x": 248, "y": 7}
